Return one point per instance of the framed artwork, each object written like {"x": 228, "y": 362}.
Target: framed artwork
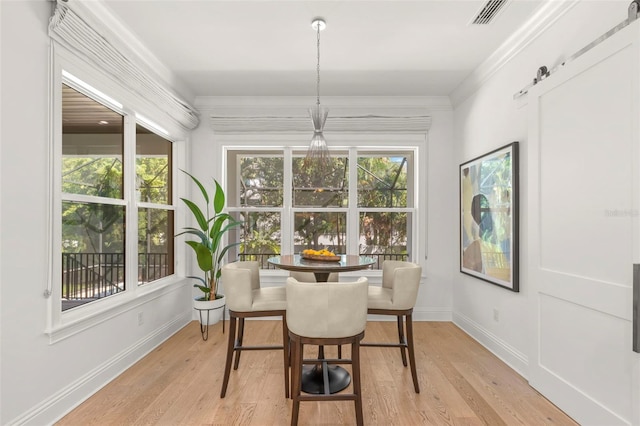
{"x": 489, "y": 217}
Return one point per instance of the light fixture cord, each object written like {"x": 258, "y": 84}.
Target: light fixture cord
{"x": 318, "y": 66}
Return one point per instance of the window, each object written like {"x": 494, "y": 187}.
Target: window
{"x": 116, "y": 189}
{"x": 320, "y": 204}
{"x": 385, "y": 205}
{"x": 155, "y": 213}
{"x": 287, "y": 207}
{"x": 256, "y": 191}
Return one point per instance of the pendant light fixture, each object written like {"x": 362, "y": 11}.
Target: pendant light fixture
{"x": 318, "y": 153}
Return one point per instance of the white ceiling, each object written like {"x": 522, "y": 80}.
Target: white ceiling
{"x": 370, "y": 48}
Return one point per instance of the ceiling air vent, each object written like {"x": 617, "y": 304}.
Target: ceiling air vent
{"x": 489, "y": 10}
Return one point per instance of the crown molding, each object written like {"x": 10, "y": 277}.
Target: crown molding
{"x": 546, "y": 16}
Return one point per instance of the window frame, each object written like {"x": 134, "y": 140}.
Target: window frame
{"x": 152, "y": 206}
{"x": 62, "y": 324}
{"x": 352, "y": 144}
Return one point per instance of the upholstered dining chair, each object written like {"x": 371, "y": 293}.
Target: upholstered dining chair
{"x": 310, "y": 277}
{"x": 397, "y": 297}
{"x": 330, "y": 313}
{"x": 246, "y": 299}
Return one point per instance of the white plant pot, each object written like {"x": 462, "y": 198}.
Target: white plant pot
{"x": 213, "y": 308}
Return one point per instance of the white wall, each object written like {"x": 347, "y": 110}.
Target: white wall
{"x": 434, "y": 298}
{"x": 42, "y": 381}
{"x": 442, "y": 194}
{"x": 491, "y": 118}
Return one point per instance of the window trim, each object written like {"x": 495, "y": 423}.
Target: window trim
{"x": 351, "y": 144}
{"x": 59, "y": 324}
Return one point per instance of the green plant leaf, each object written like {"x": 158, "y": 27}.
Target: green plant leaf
{"x": 202, "y": 280}
{"x": 217, "y": 230}
{"x": 218, "y": 198}
{"x": 205, "y": 290}
{"x": 232, "y": 224}
{"x": 197, "y": 213}
{"x": 205, "y": 258}
{"x": 205, "y": 194}
{"x": 194, "y": 245}
{"x": 229, "y": 226}
{"x": 224, "y": 251}
{"x": 215, "y": 234}
{"x": 196, "y": 232}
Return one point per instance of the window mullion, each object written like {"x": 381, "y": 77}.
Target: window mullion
{"x": 286, "y": 243}
{"x": 131, "y": 212}
{"x": 155, "y": 206}
{"x": 353, "y": 213}
{"x": 80, "y": 198}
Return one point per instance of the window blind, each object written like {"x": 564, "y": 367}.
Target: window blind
{"x": 68, "y": 28}
{"x": 338, "y": 123}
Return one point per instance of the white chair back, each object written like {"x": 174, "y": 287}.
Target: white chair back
{"x": 403, "y": 278}
{"x": 327, "y": 310}
{"x": 239, "y": 280}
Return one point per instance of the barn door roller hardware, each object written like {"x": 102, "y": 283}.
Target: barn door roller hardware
{"x": 633, "y": 13}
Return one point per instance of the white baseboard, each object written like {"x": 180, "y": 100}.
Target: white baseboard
{"x": 419, "y": 314}
{"x": 431, "y": 314}
{"x": 511, "y": 356}
{"x": 62, "y": 402}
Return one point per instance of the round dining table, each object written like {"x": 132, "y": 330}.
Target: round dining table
{"x": 321, "y": 268}
{"x": 312, "y": 376}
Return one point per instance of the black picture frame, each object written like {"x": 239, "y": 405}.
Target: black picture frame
{"x": 489, "y": 217}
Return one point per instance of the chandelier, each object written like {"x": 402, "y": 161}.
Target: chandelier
{"x": 318, "y": 153}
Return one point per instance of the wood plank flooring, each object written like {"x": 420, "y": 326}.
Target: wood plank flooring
{"x": 179, "y": 384}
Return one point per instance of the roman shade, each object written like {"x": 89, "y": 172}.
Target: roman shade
{"x": 99, "y": 47}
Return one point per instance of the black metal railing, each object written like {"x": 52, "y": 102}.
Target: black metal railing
{"x": 91, "y": 276}
{"x": 153, "y": 266}
{"x": 261, "y": 258}
{"x": 381, "y": 257}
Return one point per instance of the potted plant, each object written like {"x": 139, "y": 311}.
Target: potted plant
{"x": 209, "y": 246}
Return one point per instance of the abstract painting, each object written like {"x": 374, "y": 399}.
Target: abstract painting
{"x": 489, "y": 217}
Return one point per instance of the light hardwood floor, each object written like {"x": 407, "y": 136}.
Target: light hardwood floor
{"x": 179, "y": 384}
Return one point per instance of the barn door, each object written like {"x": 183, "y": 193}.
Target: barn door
{"x": 583, "y": 189}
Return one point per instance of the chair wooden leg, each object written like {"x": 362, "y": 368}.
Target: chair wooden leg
{"x": 412, "y": 355}
{"x": 297, "y": 364}
{"x": 239, "y": 344}
{"x": 230, "y": 351}
{"x": 339, "y": 351}
{"x": 285, "y": 350}
{"x": 294, "y": 371}
{"x": 401, "y": 340}
{"x": 355, "y": 367}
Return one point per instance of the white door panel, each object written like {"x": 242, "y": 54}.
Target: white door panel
{"x": 610, "y": 298}
{"x": 586, "y": 163}
{"x": 583, "y": 185}
{"x": 584, "y": 368}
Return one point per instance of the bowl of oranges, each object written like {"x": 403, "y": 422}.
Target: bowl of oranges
{"x": 322, "y": 255}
